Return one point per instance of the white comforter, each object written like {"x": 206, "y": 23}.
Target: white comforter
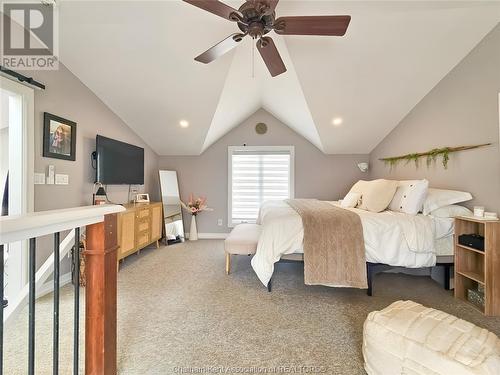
{"x": 391, "y": 238}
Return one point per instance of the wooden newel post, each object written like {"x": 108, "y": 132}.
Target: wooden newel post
{"x": 100, "y": 294}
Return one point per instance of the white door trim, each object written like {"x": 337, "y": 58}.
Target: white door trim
{"x": 28, "y": 139}
{"x": 28, "y": 157}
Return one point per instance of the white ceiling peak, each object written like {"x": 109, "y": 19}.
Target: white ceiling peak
{"x": 249, "y": 86}
{"x": 241, "y": 95}
{"x": 282, "y": 96}
{"x": 137, "y": 57}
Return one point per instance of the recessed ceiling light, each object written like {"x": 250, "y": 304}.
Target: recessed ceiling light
{"x": 183, "y": 123}
{"x": 337, "y": 121}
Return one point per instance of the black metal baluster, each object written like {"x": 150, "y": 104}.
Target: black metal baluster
{"x": 1, "y": 310}
{"x": 31, "y": 333}
{"x": 76, "y": 282}
{"x": 55, "y": 340}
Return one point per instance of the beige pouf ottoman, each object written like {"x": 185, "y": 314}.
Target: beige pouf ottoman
{"x": 242, "y": 240}
{"x": 408, "y": 338}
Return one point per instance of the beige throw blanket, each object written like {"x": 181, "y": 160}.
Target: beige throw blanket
{"x": 334, "y": 249}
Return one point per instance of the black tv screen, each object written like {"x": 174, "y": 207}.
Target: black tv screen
{"x": 119, "y": 163}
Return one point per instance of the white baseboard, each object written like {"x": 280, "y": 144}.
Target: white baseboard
{"x": 48, "y": 287}
{"x": 209, "y": 236}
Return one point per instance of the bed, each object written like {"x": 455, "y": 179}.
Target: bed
{"x": 391, "y": 239}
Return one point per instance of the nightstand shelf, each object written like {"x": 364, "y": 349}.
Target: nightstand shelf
{"x": 475, "y": 268}
{"x": 470, "y": 249}
{"x": 477, "y": 277}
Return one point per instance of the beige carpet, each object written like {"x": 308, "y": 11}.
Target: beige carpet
{"x": 177, "y": 308}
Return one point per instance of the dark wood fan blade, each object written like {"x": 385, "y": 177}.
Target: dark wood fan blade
{"x": 312, "y": 25}
{"x": 220, "y": 48}
{"x": 214, "y": 6}
{"x": 271, "y": 56}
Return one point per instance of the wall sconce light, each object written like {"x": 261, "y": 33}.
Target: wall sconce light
{"x": 363, "y": 167}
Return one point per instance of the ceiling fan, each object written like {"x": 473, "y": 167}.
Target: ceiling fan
{"x": 257, "y": 18}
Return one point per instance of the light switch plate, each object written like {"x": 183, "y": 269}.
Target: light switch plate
{"x": 62, "y": 179}
{"x": 39, "y": 179}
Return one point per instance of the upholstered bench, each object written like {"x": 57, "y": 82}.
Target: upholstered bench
{"x": 242, "y": 240}
{"x": 408, "y": 338}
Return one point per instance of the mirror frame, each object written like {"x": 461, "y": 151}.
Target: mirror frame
{"x": 182, "y": 237}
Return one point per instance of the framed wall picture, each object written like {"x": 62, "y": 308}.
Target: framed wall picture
{"x": 59, "y": 137}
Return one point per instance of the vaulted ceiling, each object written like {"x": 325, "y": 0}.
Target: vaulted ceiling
{"x": 137, "y": 57}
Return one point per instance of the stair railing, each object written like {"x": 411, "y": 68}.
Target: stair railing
{"x": 101, "y": 285}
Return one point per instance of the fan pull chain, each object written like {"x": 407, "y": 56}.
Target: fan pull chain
{"x": 253, "y": 60}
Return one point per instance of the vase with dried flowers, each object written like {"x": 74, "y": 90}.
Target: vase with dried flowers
{"x": 194, "y": 206}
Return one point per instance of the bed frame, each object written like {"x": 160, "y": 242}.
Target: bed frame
{"x": 373, "y": 268}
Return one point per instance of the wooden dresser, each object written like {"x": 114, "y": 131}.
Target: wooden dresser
{"x": 139, "y": 226}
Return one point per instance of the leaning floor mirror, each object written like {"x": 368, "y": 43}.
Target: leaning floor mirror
{"x": 172, "y": 210}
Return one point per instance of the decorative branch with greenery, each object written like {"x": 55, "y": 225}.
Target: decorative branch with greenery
{"x": 431, "y": 156}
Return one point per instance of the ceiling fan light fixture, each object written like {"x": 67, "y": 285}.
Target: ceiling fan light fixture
{"x": 257, "y": 18}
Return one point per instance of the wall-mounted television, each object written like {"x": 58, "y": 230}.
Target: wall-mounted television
{"x": 118, "y": 163}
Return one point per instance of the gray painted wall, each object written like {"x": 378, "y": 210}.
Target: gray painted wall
{"x": 317, "y": 175}
{"x": 69, "y": 98}
{"x": 463, "y": 109}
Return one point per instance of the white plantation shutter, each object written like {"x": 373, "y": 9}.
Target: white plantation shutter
{"x": 258, "y": 174}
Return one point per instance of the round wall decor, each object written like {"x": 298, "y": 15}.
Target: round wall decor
{"x": 261, "y": 128}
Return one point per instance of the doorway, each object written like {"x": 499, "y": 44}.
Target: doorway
{"x": 16, "y": 173}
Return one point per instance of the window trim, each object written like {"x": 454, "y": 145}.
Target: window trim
{"x": 232, "y": 149}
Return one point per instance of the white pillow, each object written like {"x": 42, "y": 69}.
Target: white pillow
{"x": 351, "y": 200}
{"x": 410, "y": 196}
{"x": 375, "y": 195}
{"x": 452, "y": 210}
{"x": 359, "y": 186}
{"x": 437, "y": 198}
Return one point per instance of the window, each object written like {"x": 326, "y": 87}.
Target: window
{"x": 257, "y": 174}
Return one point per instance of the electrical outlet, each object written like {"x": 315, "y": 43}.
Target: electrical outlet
{"x": 219, "y": 222}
